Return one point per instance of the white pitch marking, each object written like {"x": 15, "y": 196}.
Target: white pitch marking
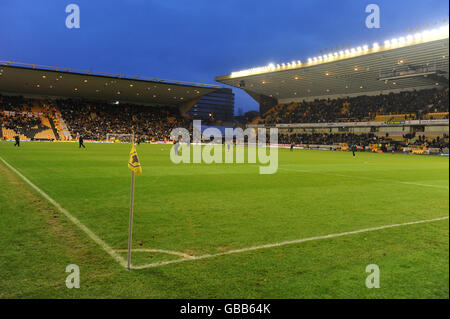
{"x": 364, "y": 178}
{"x": 170, "y": 252}
{"x": 284, "y": 243}
{"x": 426, "y": 185}
{"x": 73, "y": 219}
{"x": 122, "y": 261}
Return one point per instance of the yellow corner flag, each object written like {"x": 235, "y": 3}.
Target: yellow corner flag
{"x": 133, "y": 162}
{"x": 135, "y": 166}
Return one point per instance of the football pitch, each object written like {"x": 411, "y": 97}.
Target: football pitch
{"x": 222, "y": 230}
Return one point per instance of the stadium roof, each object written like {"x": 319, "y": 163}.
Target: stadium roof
{"x": 29, "y": 79}
{"x": 416, "y": 60}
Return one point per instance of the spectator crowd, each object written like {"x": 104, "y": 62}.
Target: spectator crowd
{"x": 414, "y": 104}
{"x": 363, "y": 140}
{"x": 22, "y": 124}
{"x": 94, "y": 120}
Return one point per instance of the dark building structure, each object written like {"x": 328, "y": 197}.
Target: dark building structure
{"x": 217, "y": 105}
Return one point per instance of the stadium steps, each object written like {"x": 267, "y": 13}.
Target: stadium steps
{"x": 62, "y": 128}
{"x": 54, "y": 129}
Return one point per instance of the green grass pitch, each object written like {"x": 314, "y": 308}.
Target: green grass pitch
{"x": 200, "y": 209}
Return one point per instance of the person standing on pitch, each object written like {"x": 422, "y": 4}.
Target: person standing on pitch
{"x": 81, "y": 142}
{"x": 354, "y": 150}
{"x": 17, "y": 139}
{"x": 292, "y": 146}
{"x": 177, "y": 145}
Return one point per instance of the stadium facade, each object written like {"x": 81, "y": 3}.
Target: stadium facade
{"x": 50, "y": 103}
{"x": 217, "y": 105}
{"x": 400, "y": 87}
{"x": 52, "y": 82}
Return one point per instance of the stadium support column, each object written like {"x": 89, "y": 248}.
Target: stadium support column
{"x": 265, "y": 102}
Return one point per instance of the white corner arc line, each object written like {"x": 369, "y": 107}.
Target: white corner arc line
{"x": 164, "y": 251}
{"x": 72, "y": 218}
{"x": 289, "y": 242}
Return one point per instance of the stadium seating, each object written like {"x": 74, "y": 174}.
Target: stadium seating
{"x": 436, "y": 116}
{"x": 394, "y": 117}
{"x": 365, "y": 140}
{"x": 26, "y": 126}
{"x": 9, "y": 134}
{"x": 67, "y": 119}
{"x": 25, "y": 118}
{"x": 96, "y": 120}
{"x": 386, "y": 107}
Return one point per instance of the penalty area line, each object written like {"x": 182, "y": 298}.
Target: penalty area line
{"x": 284, "y": 243}
{"x": 72, "y": 218}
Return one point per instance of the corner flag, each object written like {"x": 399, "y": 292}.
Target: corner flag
{"x": 133, "y": 162}
{"x": 135, "y": 166}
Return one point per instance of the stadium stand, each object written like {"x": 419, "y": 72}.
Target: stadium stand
{"x": 409, "y": 105}
{"x": 364, "y": 141}
{"x": 104, "y": 103}
{"x": 66, "y": 119}
{"x": 394, "y": 94}
{"x": 95, "y": 120}
{"x": 306, "y": 103}
{"x": 25, "y": 118}
{"x": 63, "y": 119}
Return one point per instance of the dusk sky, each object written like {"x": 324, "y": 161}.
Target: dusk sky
{"x": 199, "y": 39}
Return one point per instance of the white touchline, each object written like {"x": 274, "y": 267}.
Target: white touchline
{"x": 365, "y": 178}
{"x": 73, "y": 219}
{"x": 284, "y": 243}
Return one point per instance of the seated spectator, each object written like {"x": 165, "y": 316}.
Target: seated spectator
{"x": 412, "y": 104}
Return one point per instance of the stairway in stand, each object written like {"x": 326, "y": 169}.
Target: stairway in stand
{"x": 54, "y": 129}
{"x": 61, "y": 127}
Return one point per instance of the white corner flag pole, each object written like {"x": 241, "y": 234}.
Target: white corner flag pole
{"x": 130, "y": 230}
